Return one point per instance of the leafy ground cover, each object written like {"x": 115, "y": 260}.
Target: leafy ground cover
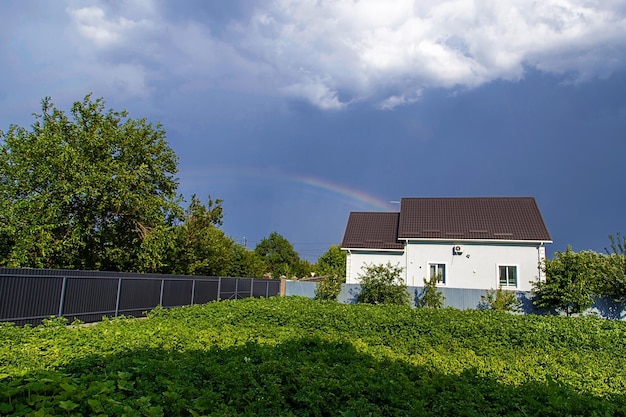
{"x": 299, "y": 357}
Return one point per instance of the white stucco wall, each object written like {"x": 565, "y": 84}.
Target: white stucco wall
{"x": 476, "y": 267}
{"x": 355, "y": 262}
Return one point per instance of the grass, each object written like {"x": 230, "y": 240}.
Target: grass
{"x": 298, "y": 357}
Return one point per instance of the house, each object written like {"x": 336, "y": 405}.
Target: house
{"x": 469, "y": 242}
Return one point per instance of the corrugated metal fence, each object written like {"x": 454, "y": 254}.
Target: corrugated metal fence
{"x": 29, "y": 295}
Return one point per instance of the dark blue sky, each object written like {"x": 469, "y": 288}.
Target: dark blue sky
{"x": 297, "y": 114}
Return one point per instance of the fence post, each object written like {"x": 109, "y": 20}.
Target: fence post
{"x": 283, "y": 287}
{"x": 219, "y": 288}
{"x": 251, "y": 287}
{"x": 161, "y": 295}
{"x": 193, "y": 290}
{"x": 62, "y": 300}
{"x": 119, "y": 293}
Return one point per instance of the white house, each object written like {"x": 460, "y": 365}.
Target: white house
{"x": 472, "y": 242}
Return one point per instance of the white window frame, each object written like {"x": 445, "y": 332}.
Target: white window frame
{"x": 499, "y": 283}
{"x": 445, "y": 271}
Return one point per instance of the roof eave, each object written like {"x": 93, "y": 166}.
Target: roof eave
{"x": 426, "y": 239}
{"x": 353, "y": 249}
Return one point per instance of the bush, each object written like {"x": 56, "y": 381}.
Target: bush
{"x": 329, "y": 288}
{"x": 499, "y": 300}
{"x": 383, "y": 284}
{"x": 431, "y": 297}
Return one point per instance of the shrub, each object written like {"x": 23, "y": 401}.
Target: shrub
{"x": 329, "y": 288}
{"x": 431, "y": 297}
{"x": 383, "y": 284}
{"x": 499, "y": 300}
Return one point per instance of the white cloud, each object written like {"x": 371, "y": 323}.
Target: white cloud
{"x": 383, "y": 50}
{"x": 93, "y": 24}
{"x": 335, "y": 52}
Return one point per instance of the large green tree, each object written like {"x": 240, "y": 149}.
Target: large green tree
{"x": 279, "y": 256}
{"x": 85, "y": 190}
{"x": 573, "y": 279}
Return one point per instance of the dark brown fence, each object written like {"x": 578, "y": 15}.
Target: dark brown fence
{"x": 27, "y": 296}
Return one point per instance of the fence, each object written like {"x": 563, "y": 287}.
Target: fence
{"x": 27, "y": 296}
{"x": 463, "y": 298}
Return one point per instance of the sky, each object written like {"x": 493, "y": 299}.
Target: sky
{"x": 297, "y": 112}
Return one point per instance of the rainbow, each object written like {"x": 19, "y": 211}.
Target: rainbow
{"x": 230, "y": 173}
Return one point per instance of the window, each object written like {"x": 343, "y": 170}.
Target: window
{"x": 508, "y": 275}
{"x": 439, "y": 271}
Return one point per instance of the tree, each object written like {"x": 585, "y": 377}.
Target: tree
{"x": 331, "y": 265}
{"x": 201, "y": 247}
{"x": 616, "y": 268}
{"x": 278, "y": 254}
{"x": 332, "y": 262}
{"x": 618, "y": 244}
{"x": 431, "y": 297}
{"x": 615, "y": 277}
{"x": 245, "y": 263}
{"x": 383, "y": 284}
{"x": 86, "y": 190}
{"x": 572, "y": 281}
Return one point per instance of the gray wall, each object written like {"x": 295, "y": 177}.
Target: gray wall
{"x": 460, "y": 298}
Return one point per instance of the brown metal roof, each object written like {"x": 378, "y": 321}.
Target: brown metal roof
{"x": 486, "y": 218}
{"x": 372, "y": 230}
{"x": 450, "y": 218}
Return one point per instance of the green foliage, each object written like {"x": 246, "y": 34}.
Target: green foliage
{"x": 616, "y": 268}
{"x": 279, "y": 256}
{"x": 431, "y": 297}
{"x": 200, "y": 247}
{"x": 332, "y": 262}
{"x": 572, "y": 281}
{"x": 298, "y": 357}
{"x": 614, "y": 277}
{"x": 302, "y": 268}
{"x": 85, "y": 190}
{"x": 329, "y": 288}
{"x": 245, "y": 263}
{"x": 383, "y": 284}
{"x": 500, "y": 300}
{"x": 618, "y": 244}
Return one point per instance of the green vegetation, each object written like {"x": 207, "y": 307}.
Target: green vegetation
{"x": 332, "y": 262}
{"x": 574, "y": 279}
{"x": 332, "y": 267}
{"x": 280, "y": 258}
{"x": 95, "y": 189}
{"x": 329, "y": 288}
{"x": 383, "y": 284}
{"x": 301, "y": 357}
{"x": 500, "y": 300}
{"x": 431, "y": 297}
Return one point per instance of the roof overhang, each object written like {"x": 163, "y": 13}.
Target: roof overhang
{"x": 372, "y": 250}
{"x": 469, "y": 241}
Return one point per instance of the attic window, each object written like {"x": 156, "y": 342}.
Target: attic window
{"x": 503, "y": 234}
